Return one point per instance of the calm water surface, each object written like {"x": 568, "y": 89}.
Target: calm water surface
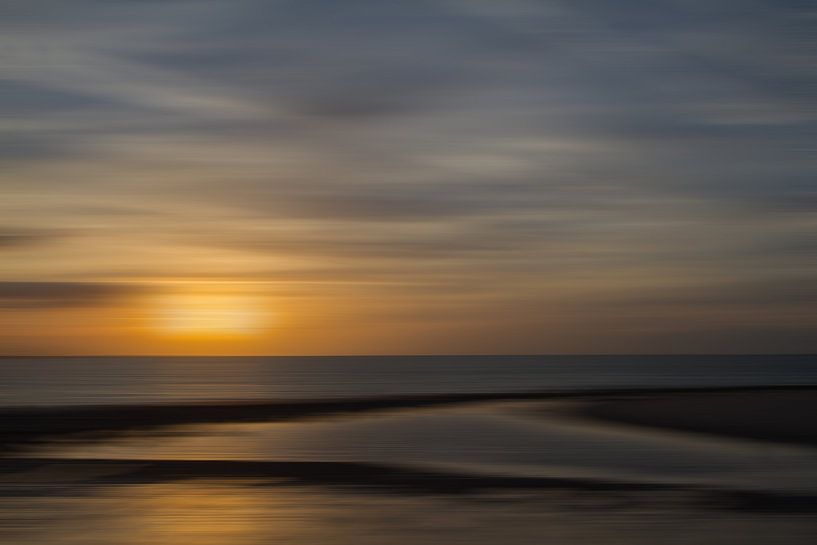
{"x": 70, "y": 381}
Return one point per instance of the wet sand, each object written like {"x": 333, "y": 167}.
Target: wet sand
{"x": 786, "y": 416}
{"x": 23, "y": 473}
{"x": 136, "y": 501}
{"x": 779, "y": 413}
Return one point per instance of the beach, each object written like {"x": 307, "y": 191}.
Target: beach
{"x": 706, "y": 464}
{"x": 767, "y": 414}
{"x": 775, "y": 413}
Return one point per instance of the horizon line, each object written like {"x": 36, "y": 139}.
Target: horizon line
{"x": 576, "y": 354}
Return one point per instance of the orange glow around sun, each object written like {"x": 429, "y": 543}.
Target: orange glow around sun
{"x": 209, "y": 315}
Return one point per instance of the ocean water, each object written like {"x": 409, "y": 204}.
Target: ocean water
{"x": 137, "y": 380}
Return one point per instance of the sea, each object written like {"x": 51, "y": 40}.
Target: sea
{"x": 156, "y": 379}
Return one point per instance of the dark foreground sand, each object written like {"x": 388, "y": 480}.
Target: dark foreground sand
{"x": 788, "y": 416}
{"x": 783, "y": 413}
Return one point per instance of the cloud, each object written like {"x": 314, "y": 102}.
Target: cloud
{"x": 12, "y": 237}
{"x": 40, "y": 295}
{"x": 789, "y": 290}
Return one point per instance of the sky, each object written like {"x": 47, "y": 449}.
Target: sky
{"x": 388, "y": 177}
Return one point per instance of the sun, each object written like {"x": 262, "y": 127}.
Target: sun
{"x": 209, "y": 314}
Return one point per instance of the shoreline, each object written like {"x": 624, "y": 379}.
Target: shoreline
{"x": 388, "y": 479}
{"x": 730, "y": 411}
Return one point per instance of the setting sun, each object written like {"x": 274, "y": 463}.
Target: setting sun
{"x": 209, "y": 315}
